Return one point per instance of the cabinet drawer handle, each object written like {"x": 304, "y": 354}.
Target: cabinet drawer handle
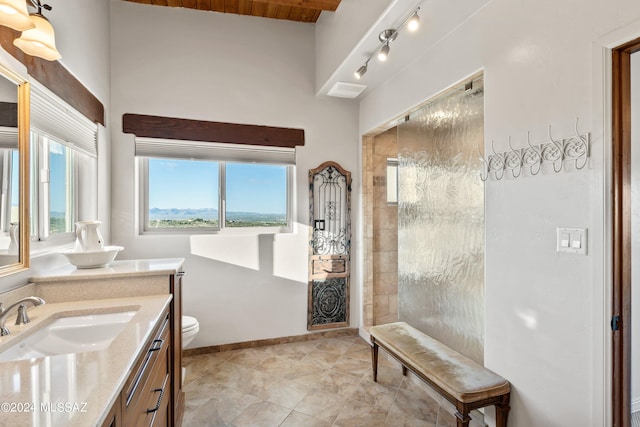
{"x": 157, "y": 345}
{"x": 161, "y": 390}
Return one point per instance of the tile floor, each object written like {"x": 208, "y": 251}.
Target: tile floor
{"x": 319, "y": 383}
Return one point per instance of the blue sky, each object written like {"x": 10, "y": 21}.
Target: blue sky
{"x": 183, "y": 184}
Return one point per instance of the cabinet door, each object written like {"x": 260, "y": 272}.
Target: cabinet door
{"x": 176, "y": 404}
{"x": 114, "y": 418}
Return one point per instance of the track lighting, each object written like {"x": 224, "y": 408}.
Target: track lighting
{"x": 384, "y": 52}
{"x": 412, "y": 22}
{"x": 361, "y": 71}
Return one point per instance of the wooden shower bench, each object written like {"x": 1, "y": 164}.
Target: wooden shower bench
{"x": 460, "y": 380}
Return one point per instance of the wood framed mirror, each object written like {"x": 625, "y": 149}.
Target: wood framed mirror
{"x": 14, "y": 172}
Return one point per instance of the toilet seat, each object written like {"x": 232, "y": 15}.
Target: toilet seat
{"x": 189, "y": 323}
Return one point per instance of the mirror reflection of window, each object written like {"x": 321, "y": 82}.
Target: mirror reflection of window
{"x": 61, "y": 188}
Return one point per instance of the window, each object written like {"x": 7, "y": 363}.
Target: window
{"x": 63, "y": 165}
{"x": 182, "y": 193}
{"x": 54, "y": 187}
{"x": 190, "y": 187}
{"x": 256, "y": 195}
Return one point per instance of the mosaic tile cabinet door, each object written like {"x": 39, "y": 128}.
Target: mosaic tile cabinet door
{"x": 329, "y": 246}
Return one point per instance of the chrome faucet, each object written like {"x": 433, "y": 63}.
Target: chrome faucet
{"x": 22, "y": 313}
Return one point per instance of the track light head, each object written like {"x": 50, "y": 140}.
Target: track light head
{"x": 361, "y": 71}
{"x": 414, "y": 22}
{"x": 384, "y": 52}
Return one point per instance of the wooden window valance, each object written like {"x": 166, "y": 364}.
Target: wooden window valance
{"x": 205, "y": 131}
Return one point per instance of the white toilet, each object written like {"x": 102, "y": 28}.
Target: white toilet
{"x": 190, "y": 328}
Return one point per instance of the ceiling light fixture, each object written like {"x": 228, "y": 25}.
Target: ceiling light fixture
{"x": 14, "y": 14}
{"x": 41, "y": 40}
{"x": 362, "y": 70}
{"x": 412, "y": 22}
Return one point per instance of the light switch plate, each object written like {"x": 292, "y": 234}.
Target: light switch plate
{"x": 577, "y": 240}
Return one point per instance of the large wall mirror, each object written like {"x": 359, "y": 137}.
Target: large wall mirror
{"x": 14, "y": 172}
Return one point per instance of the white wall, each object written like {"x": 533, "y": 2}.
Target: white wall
{"x": 82, "y": 37}
{"x": 230, "y": 68}
{"x": 635, "y": 231}
{"x": 544, "y": 310}
{"x": 337, "y": 33}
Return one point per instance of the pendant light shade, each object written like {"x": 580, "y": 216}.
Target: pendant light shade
{"x": 14, "y": 14}
{"x": 39, "y": 41}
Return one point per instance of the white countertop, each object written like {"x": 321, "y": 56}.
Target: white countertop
{"x": 75, "y": 390}
{"x": 120, "y": 268}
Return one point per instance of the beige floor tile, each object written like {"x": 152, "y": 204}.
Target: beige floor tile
{"x": 322, "y": 359}
{"x": 285, "y": 393}
{"x": 352, "y": 366}
{"x": 358, "y": 414}
{"x": 321, "y": 404}
{"x": 262, "y": 414}
{"x": 312, "y": 383}
{"x": 375, "y": 394}
{"x": 298, "y": 419}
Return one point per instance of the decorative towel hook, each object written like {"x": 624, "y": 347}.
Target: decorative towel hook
{"x": 484, "y": 173}
{"x": 555, "y": 152}
{"x": 532, "y": 156}
{"x": 513, "y": 160}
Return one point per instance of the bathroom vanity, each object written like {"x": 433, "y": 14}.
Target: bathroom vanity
{"x": 135, "y": 380}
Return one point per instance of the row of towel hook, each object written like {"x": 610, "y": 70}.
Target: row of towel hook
{"x": 555, "y": 152}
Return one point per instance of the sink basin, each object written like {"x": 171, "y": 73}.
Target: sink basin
{"x": 66, "y": 335}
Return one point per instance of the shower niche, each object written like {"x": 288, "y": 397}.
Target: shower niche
{"x": 329, "y": 246}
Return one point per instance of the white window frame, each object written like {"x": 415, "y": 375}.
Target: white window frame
{"x": 143, "y": 203}
{"x": 41, "y": 216}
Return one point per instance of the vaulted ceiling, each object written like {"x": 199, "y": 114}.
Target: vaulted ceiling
{"x": 292, "y": 10}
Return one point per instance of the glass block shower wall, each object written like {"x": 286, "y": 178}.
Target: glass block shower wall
{"x": 441, "y": 221}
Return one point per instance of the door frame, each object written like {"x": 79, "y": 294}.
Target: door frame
{"x": 621, "y": 232}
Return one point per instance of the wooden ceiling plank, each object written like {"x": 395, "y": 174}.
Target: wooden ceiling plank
{"x": 244, "y": 7}
{"x": 295, "y": 14}
{"x": 283, "y": 12}
{"x": 330, "y": 5}
{"x": 230, "y": 6}
{"x": 191, "y": 4}
{"x": 160, "y": 2}
{"x": 217, "y": 5}
{"x": 316, "y": 15}
{"x": 272, "y": 11}
{"x": 258, "y": 8}
{"x": 176, "y": 3}
{"x": 203, "y": 4}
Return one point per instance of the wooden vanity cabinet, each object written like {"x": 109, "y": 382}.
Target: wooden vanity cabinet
{"x": 175, "y": 288}
{"x": 114, "y": 417}
{"x": 147, "y": 392}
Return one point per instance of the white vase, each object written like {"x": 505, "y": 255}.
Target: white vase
{"x": 14, "y": 229}
{"x": 88, "y": 237}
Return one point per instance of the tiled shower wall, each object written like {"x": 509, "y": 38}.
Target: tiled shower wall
{"x": 380, "y": 232}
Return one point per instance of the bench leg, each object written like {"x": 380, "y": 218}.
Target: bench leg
{"x": 404, "y": 370}
{"x": 462, "y": 419}
{"x": 502, "y": 412}
{"x": 374, "y": 359}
